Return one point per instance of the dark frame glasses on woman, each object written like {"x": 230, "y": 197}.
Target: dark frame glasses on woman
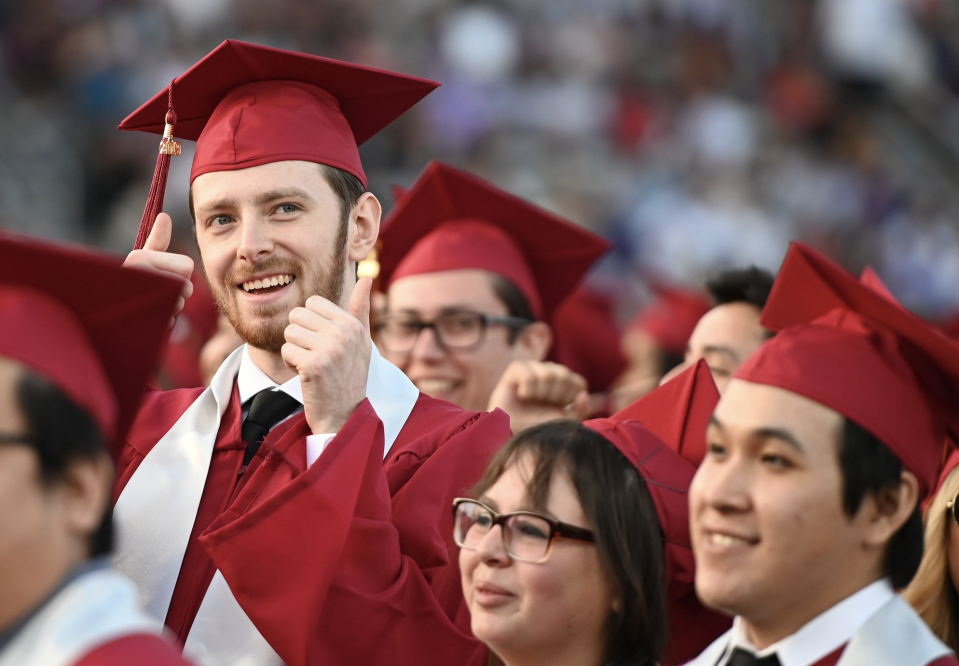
{"x": 527, "y": 536}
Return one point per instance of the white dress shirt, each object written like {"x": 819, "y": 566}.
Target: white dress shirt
{"x": 250, "y": 380}
{"x": 822, "y": 635}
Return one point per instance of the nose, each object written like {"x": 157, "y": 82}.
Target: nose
{"x": 255, "y": 243}
{"x": 723, "y": 486}
{"x": 492, "y": 548}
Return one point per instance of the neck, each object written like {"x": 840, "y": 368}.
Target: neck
{"x": 272, "y": 364}
{"x": 22, "y": 594}
{"x": 565, "y": 655}
{"x": 774, "y": 627}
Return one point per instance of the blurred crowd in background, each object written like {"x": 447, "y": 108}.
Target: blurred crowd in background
{"x": 694, "y": 134}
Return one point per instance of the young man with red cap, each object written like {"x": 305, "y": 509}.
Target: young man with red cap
{"x": 484, "y": 271}
{"x": 294, "y": 511}
{"x": 74, "y": 362}
{"x": 805, "y": 512}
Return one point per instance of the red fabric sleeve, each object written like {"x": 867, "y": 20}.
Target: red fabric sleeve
{"x": 139, "y": 649}
{"x": 945, "y": 661}
{"x": 331, "y": 570}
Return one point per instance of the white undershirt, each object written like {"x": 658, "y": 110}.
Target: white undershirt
{"x": 250, "y": 380}
{"x": 822, "y": 635}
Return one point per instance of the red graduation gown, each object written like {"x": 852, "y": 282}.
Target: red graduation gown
{"x": 138, "y": 650}
{"x": 322, "y": 560}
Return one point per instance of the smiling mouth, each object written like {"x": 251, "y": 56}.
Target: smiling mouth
{"x": 267, "y": 285}
{"x": 436, "y": 386}
{"x": 729, "y": 540}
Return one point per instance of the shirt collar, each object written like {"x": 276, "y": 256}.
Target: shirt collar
{"x": 825, "y": 633}
{"x": 251, "y": 380}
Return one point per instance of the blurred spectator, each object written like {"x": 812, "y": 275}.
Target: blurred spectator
{"x": 697, "y": 134}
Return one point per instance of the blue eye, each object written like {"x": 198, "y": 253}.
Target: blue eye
{"x": 221, "y": 220}
{"x": 287, "y": 209}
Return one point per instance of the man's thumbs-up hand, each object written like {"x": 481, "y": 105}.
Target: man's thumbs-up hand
{"x": 154, "y": 256}
{"x": 330, "y": 350}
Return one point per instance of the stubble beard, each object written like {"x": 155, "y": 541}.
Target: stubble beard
{"x": 264, "y": 327}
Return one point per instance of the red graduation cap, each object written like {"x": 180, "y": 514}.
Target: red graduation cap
{"x": 850, "y": 347}
{"x": 672, "y": 317}
{"x": 648, "y": 433}
{"x": 587, "y": 338}
{"x": 452, "y": 220}
{"x": 678, "y": 412}
{"x": 85, "y": 323}
{"x": 247, "y": 105}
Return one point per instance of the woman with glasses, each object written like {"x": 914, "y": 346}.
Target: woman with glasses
{"x": 575, "y": 544}
{"x": 933, "y": 591}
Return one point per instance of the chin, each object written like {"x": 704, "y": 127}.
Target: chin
{"x": 496, "y": 632}
{"x": 721, "y": 592}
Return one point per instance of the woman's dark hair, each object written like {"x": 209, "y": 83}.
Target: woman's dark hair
{"x": 623, "y": 517}
{"x": 516, "y": 303}
{"x": 868, "y": 468}
{"x": 62, "y": 433}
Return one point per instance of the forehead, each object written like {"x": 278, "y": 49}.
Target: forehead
{"x": 243, "y": 185}
{"x": 728, "y": 323}
{"x": 747, "y": 407}
{"x": 432, "y": 292}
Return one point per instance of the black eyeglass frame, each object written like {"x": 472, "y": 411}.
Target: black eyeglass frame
{"x": 557, "y": 528}
{"x": 486, "y": 320}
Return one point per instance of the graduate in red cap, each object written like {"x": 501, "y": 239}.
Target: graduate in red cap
{"x": 656, "y": 340}
{"x": 473, "y": 276}
{"x": 596, "y": 567}
{"x": 805, "y": 513}
{"x": 79, "y": 340}
{"x": 294, "y": 511}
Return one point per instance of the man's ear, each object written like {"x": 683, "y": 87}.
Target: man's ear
{"x": 888, "y": 510}
{"x": 364, "y": 226}
{"x": 534, "y": 342}
{"x": 86, "y": 487}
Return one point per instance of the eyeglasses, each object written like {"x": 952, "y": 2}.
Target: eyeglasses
{"x": 454, "y": 331}
{"x": 527, "y": 536}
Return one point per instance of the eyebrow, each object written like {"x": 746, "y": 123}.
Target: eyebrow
{"x": 491, "y": 503}
{"x": 721, "y": 349}
{"x": 781, "y": 434}
{"x": 446, "y": 310}
{"x": 778, "y": 433}
{"x": 282, "y": 193}
{"x": 226, "y": 203}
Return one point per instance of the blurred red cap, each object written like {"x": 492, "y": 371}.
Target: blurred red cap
{"x": 649, "y": 432}
{"x": 247, "y": 105}
{"x": 671, "y": 318}
{"x": 451, "y": 220}
{"x": 586, "y": 338}
{"x": 86, "y": 324}
{"x": 852, "y": 348}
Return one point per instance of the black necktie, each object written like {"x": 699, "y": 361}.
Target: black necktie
{"x": 742, "y": 657}
{"x": 267, "y": 408}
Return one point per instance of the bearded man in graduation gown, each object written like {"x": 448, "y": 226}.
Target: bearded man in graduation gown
{"x": 805, "y": 513}
{"x": 74, "y": 360}
{"x": 297, "y": 510}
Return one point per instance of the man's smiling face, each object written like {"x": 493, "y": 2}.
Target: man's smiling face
{"x": 270, "y": 237}
{"x": 769, "y": 531}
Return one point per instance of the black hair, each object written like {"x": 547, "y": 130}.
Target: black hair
{"x": 347, "y": 188}
{"x": 741, "y": 285}
{"x": 61, "y": 433}
{"x": 628, "y": 535}
{"x": 516, "y": 303}
{"x": 868, "y": 468}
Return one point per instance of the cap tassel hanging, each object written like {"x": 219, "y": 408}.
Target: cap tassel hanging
{"x": 168, "y": 148}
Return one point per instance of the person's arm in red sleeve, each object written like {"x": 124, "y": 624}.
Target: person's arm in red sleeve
{"x": 320, "y": 567}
